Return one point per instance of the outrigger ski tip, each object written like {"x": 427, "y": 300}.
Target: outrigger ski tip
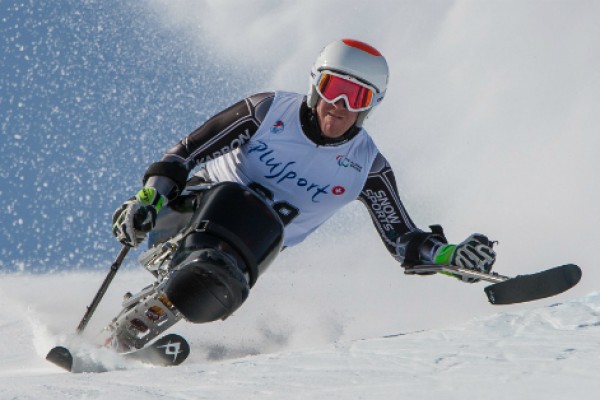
{"x": 520, "y": 289}
{"x": 523, "y": 288}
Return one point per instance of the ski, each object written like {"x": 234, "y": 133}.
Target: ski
{"x": 520, "y": 289}
{"x": 536, "y": 286}
{"x": 169, "y": 350}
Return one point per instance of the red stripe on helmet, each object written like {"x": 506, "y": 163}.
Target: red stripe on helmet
{"x": 362, "y": 46}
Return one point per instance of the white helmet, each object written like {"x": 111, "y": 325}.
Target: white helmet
{"x": 356, "y": 59}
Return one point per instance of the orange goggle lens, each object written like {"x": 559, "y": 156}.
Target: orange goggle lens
{"x": 333, "y": 87}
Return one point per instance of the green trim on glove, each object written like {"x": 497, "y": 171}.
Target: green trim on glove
{"x": 149, "y": 196}
{"x": 444, "y": 254}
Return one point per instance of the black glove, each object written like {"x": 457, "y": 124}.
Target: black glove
{"x": 136, "y": 217}
{"x": 475, "y": 253}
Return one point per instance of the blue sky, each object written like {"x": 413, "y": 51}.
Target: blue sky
{"x": 91, "y": 93}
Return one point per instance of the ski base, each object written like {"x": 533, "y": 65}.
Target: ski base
{"x": 169, "y": 350}
{"x": 536, "y": 286}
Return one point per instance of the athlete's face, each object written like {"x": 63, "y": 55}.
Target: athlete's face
{"x": 334, "y": 119}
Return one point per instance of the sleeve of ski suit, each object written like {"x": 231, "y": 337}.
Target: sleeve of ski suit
{"x": 406, "y": 243}
{"x": 217, "y": 136}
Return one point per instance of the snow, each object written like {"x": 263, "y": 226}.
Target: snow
{"x": 550, "y": 352}
{"x": 490, "y": 123}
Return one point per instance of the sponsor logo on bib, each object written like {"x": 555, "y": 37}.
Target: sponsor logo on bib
{"x": 278, "y": 127}
{"x": 344, "y": 161}
{"x": 284, "y": 172}
{"x": 338, "y": 190}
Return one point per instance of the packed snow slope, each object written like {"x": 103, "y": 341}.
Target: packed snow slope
{"x": 549, "y": 352}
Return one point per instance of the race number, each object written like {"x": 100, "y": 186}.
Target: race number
{"x": 285, "y": 210}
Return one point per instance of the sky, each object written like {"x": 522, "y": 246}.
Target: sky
{"x": 490, "y": 123}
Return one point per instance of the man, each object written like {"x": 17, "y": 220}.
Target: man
{"x": 307, "y": 157}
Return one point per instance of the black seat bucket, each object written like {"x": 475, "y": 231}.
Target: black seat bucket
{"x": 239, "y": 219}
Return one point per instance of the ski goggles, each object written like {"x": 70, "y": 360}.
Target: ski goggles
{"x": 358, "y": 96}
